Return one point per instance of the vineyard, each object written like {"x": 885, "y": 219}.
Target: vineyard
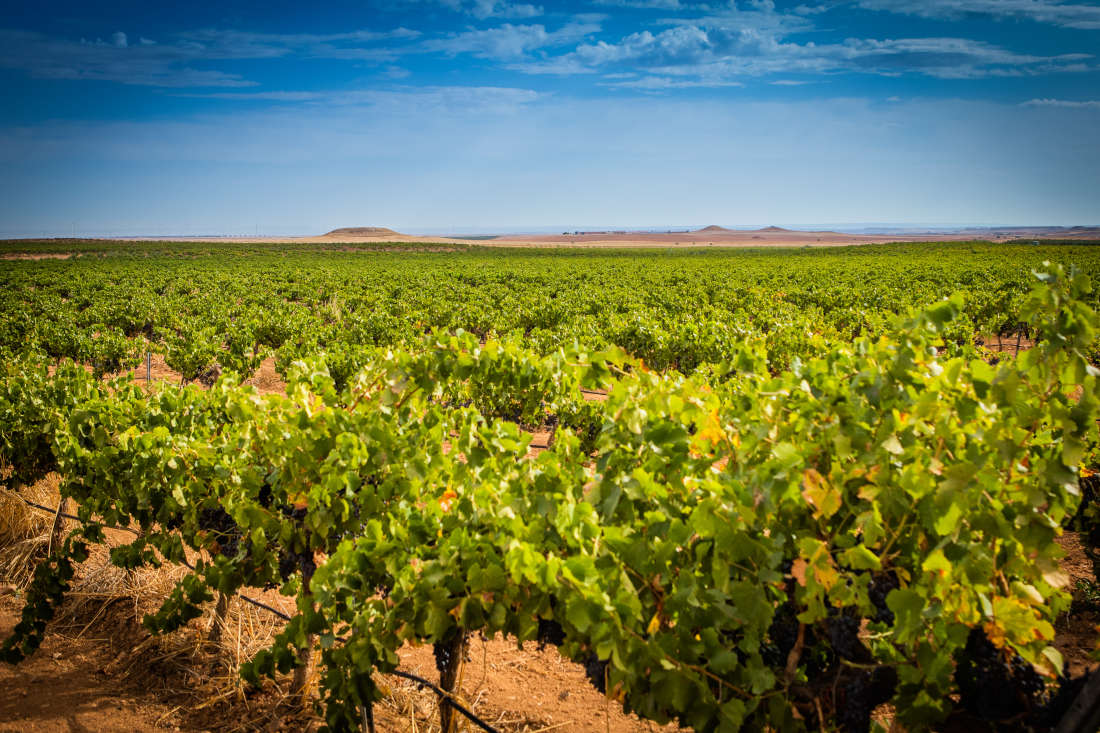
{"x": 776, "y": 490}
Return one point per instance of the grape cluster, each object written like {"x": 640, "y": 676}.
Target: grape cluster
{"x": 595, "y": 669}
{"x": 227, "y": 534}
{"x": 444, "y": 656}
{"x": 995, "y": 685}
{"x": 782, "y": 636}
{"x": 292, "y": 562}
{"x": 880, "y": 587}
{"x": 858, "y": 693}
{"x": 843, "y": 633}
{"x": 550, "y": 632}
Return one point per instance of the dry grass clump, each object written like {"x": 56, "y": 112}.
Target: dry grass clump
{"x": 24, "y": 530}
{"x": 108, "y": 603}
{"x": 185, "y": 666}
{"x": 198, "y": 675}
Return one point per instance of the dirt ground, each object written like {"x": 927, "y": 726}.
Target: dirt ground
{"x": 37, "y": 256}
{"x": 66, "y": 686}
{"x": 105, "y": 675}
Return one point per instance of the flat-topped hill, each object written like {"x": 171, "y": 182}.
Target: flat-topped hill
{"x": 363, "y": 232}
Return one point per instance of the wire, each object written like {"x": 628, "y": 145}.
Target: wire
{"x": 435, "y": 688}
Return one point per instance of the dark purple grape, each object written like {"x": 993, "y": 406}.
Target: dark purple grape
{"x": 595, "y": 669}
{"x": 995, "y": 685}
{"x": 550, "y": 632}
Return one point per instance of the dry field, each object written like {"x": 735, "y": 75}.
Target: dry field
{"x": 713, "y": 236}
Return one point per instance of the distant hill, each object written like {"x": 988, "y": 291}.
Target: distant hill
{"x": 715, "y": 229}
{"x": 363, "y": 232}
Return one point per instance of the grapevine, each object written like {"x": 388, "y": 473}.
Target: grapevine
{"x": 781, "y": 530}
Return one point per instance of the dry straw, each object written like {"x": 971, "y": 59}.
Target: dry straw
{"x": 25, "y": 531}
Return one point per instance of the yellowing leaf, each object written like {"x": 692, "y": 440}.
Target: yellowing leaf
{"x": 820, "y": 493}
{"x": 826, "y": 574}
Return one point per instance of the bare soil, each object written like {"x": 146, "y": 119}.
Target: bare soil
{"x": 109, "y": 675}
{"x": 35, "y": 256}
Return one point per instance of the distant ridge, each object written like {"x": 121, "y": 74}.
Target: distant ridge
{"x": 713, "y": 228}
{"x": 363, "y": 232}
{"x": 773, "y": 229}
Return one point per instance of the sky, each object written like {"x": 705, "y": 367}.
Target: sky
{"x": 464, "y": 116}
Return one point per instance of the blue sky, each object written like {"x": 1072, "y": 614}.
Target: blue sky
{"x": 495, "y": 115}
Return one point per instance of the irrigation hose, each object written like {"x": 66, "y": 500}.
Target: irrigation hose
{"x": 448, "y": 697}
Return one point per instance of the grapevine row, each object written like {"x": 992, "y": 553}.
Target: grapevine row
{"x": 746, "y": 548}
{"x": 684, "y": 310}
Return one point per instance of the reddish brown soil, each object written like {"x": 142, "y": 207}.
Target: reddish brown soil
{"x": 96, "y": 681}
{"x": 35, "y": 256}
{"x": 1077, "y": 633}
{"x": 65, "y": 687}
{"x": 266, "y": 379}
{"x": 1008, "y": 345}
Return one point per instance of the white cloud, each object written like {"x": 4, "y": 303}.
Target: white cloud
{"x": 509, "y": 42}
{"x": 644, "y": 4}
{"x": 663, "y": 83}
{"x": 146, "y": 65}
{"x": 434, "y": 99}
{"x": 169, "y": 63}
{"x": 445, "y": 100}
{"x": 1068, "y": 15}
{"x": 483, "y": 9}
{"x": 274, "y": 96}
{"x": 721, "y": 47}
{"x": 395, "y": 72}
{"x": 498, "y": 9}
{"x": 1071, "y": 104}
{"x": 350, "y": 45}
{"x": 813, "y": 9}
{"x": 751, "y": 39}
